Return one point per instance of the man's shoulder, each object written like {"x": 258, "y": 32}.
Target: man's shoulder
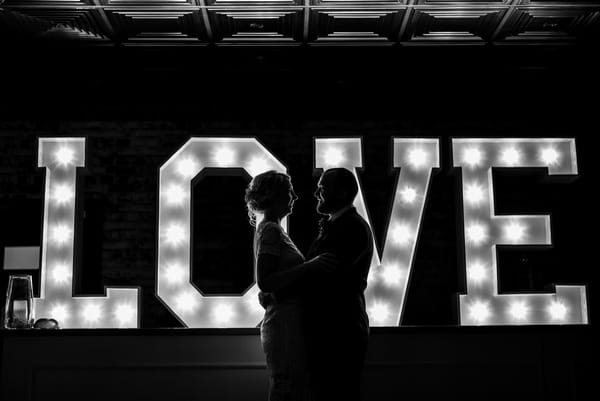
{"x": 351, "y": 215}
{"x": 352, "y": 220}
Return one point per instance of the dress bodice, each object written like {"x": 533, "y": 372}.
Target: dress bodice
{"x": 271, "y": 239}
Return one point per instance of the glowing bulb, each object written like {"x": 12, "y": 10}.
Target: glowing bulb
{"x": 61, "y": 273}
{"x": 511, "y": 156}
{"x": 224, "y": 156}
{"x": 479, "y": 311}
{"x": 401, "y": 234}
{"x": 550, "y": 156}
{"x": 64, "y": 156}
{"x": 63, "y": 194}
{"x": 258, "y": 165}
{"x": 514, "y": 231}
{"x": 477, "y": 272}
{"x": 476, "y": 233}
{"x": 417, "y": 157}
{"x": 557, "y": 310}
{"x": 175, "y": 234}
{"x": 472, "y": 156}
{"x": 186, "y": 302}
{"x": 519, "y": 310}
{"x": 223, "y": 313}
{"x": 379, "y": 311}
{"x": 92, "y": 312}
{"x": 175, "y": 194}
{"x": 391, "y": 274}
{"x": 474, "y": 193}
{"x": 175, "y": 273}
{"x": 408, "y": 194}
{"x": 125, "y": 313}
{"x": 187, "y": 167}
{"x": 334, "y": 156}
{"x": 60, "y": 312}
{"x": 61, "y": 234}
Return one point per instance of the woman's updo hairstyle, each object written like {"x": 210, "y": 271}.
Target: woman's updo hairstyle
{"x": 263, "y": 189}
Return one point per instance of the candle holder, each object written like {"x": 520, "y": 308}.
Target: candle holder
{"x": 18, "y": 310}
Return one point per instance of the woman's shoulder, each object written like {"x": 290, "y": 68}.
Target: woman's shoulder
{"x": 269, "y": 232}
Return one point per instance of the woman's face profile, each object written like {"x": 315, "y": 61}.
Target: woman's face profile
{"x": 284, "y": 203}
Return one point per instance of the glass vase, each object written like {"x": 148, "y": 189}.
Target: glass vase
{"x": 18, "y": 310}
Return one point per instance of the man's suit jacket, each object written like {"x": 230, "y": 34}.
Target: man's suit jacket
{"x": 335, "y": 301}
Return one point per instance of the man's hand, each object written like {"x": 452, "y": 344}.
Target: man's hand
{"x": 325, "y": 262}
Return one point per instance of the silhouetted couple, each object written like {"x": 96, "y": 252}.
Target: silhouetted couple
{"x": 315, "y": 328}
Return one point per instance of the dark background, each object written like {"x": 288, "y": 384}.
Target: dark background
{"x": 137, "y": 106}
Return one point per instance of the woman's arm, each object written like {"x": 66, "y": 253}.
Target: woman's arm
{"x": 270, "y": 279}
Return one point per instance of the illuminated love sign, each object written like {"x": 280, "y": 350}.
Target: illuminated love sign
{"x": 120, "y": 306}
{"x": 389, "y": 275}
{"x": 390, "y": 272}
{"x": 484, "y": 230}
{"x": 175, "y": 286}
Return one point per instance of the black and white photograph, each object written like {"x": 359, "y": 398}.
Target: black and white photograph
{"x": 298, "y": 200}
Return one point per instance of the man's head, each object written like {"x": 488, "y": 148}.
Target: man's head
{"x": 336, "y": 189}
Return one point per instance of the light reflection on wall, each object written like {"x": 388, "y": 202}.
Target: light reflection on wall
{"x": 483, "y": 305}
{"x": 119, "y": 308}
{"x": 389, "y": 275}
{"x": 174, "y": 284}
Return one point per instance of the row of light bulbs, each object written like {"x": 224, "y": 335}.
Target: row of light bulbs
{"x": 509, "y": 155}
{"x": 226, "y": 156}
{"x": 481, "y": 311}
{"x": 92, "y": 312}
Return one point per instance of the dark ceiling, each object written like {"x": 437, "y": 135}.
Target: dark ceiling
{"x": 301, "y": 22}
{"x": 263, "y": 60}
{"x": 534, "y": 83}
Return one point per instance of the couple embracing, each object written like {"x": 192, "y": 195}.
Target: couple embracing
{"x": 315, "y": 329}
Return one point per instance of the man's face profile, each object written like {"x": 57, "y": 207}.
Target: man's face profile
{"x": 326, "y": 194}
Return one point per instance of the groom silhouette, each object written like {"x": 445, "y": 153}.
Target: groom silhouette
{"x": 336, "y": 322}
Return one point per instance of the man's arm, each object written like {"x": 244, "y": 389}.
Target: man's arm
{"x": 352, "y": 245}
{"x": 272, "y": 279}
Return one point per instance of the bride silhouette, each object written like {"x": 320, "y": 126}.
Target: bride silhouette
{"x": 280, "y": 266}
